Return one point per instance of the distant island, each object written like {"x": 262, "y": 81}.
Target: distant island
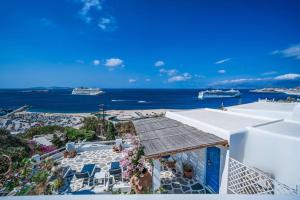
{"x": 289, "y": 91}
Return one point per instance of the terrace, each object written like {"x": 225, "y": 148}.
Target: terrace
{"x": 102, "y": 158}
{"x": 101, "y": 155}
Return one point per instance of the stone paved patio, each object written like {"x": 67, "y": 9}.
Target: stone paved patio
{"x": 173, "y": 182}
{"x": 102, "y": 159}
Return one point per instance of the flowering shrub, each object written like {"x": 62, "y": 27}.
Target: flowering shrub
{"x": 40, "y": 148}
{"x": 46, "y": 149}
{"x": 134, "y": 162}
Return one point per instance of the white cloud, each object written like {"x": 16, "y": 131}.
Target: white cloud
{"x": 292, "y": 51}
{"x": 147, "y": 79}
{"x": 87, "y": 6}
{"x": 107, "y": 24}
{"x": 169, "y": 72}
{"x": 287, "y": 77}
{"x": 131, "y": 80}
{"x": 96, "y": 62}
{"x": 222, "y": 61}
{"x": 112, "y": 63}
{"x": 222, "y": 71}
{"x": 180, "y": 78}
{"x": 91, "y": 12}
{"x": 269, "y": 73}
{"x": 199, "y": 76}
{"x": 159, "y": 63}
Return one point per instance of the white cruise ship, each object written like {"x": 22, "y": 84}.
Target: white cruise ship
{"x": 86, "y": 91}
{"x": 219, "y": 94}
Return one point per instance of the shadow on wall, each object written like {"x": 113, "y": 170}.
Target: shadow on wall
{"x": 237, "y": 145}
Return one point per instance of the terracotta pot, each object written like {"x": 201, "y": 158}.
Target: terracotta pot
{"x": 188, "y": 174}
{"x": 171, "y": 164}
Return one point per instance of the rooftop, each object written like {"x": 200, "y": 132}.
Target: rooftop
{"x": 224, "y": 120}
{"x": 162, "y": 136}
{"x": 267, "y": 106}
{"x": 285, "y": 128}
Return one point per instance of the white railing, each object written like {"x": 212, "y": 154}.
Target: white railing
{"x": 246, "y": 180}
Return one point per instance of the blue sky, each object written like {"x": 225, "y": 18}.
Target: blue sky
{"x": 149, "y": 43}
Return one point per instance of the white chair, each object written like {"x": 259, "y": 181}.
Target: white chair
{"x": 119, "y": 142}
{"x": 70, "y": 146}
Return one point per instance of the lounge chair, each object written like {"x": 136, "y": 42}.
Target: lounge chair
{"x": 115, "y": 170}
{"x": 66, "y": 172}
{"x": 86, "y": 173}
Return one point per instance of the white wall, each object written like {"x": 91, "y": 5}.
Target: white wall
{"x": 224, "y": 161}
{"x": 272, "y": 153}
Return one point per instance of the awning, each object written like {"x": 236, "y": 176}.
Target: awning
{"x": 163, "y": 136}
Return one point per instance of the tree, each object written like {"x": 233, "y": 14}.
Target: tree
{"x": 13, "y": 146}
{"x": 111, "y": 132}
{"x": 91, "y": 124}
{"x": 56, "y": 141}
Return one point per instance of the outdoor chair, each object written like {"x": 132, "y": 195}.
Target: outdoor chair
{"x": 86, "y": 173}
{"x": 67, "y": 172}
{"x": 116, "y": 170}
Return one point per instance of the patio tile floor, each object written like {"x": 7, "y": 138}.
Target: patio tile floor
{"x": 102, "y": 159}
{"x": 173, "y": 182}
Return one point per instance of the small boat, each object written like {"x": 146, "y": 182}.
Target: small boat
{"x": 219, "y": 94}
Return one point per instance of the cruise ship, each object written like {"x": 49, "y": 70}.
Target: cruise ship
{"x": 86, "y": 91}
{"x": 219, "y": 94}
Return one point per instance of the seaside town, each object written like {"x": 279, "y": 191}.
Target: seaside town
{"x": 19, "y": 122}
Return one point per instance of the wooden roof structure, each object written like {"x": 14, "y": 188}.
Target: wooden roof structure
{"x": 162, "y": 136}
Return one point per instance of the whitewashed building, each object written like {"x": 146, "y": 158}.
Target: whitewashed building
{"x": 262, "y": 136}
{"x": 261, "y": 154}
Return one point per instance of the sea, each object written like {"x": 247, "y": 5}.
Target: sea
{"x": 62, "y": 101}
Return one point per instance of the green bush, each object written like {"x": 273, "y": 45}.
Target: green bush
{"x": 56, "y": 141}
{"x": 111, "y": 132}
{"x": 81, "y": 134}
{"x": 91, "y": 124}
{"x": 42, "y": 130}
{"x": 40, "y": 177}
{"x": 13, "y": 146}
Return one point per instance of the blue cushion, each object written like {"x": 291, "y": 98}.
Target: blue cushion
{"x": 115, "y": 165}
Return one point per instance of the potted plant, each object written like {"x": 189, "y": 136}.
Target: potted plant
{"x": 58, "y": 183}
{"x": 66, "y": 154}
{"x": 187, "y": 170}
{"x": 171, "y": 163}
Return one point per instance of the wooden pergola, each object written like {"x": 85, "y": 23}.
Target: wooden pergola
{"x": 162, "y": 136}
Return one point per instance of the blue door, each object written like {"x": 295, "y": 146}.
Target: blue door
{"x": 213, "y": 168}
